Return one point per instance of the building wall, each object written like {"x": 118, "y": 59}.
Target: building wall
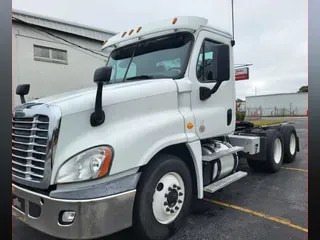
{"x": 47, "y": 78}
{"x": 277, "y": 104}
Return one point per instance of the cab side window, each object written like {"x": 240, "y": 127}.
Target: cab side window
{"x": 207, "y": 64}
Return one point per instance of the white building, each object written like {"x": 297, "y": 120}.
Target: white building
{"x": 277, "y": 104}
{"x": 54, "y": 56}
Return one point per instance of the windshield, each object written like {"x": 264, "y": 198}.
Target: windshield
{"x": 163, "y": 57}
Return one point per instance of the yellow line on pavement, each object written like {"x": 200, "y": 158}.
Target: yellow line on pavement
{"x": 295, "y": 169}
{"x": 259, "y": 214}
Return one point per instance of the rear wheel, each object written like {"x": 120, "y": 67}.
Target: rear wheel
{"x": 255, "y": 164}
{"x": 163, "y": 198}
{"x": 274, "y": 155}
{"x": 290, "y": 143}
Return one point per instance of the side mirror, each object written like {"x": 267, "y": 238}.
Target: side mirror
{"x": 223, "y": 62}
{"x": 222, "y": 69}
{"x": 101, "y": 76}
{"x": 22, "y": 90}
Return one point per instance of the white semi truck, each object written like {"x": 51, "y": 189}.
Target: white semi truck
{"x": 159, "y": 128}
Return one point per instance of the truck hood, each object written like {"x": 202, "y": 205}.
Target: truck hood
{"x": 84, "y": 99}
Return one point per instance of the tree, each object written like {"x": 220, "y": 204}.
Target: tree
{"x": 303, "y": 89}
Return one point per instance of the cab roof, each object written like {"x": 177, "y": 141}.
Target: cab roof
{"x": 188, "y": 23}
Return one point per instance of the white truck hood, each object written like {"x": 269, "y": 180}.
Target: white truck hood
{"x": 84, "y": 99}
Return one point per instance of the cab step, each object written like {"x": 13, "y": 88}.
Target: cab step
{"x": 213, "y": 187}
{"x": 220, "y": 154}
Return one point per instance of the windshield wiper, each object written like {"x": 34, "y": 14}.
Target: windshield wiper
{"x": 140, "y": 77}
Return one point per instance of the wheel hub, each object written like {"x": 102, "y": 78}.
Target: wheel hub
{"x": 172, "y": 202}
{"x": 292, "y": 145}
{"x": 172, "y": 198}
{"x": 168, "y": 198}
{"x": 277, "y": 150}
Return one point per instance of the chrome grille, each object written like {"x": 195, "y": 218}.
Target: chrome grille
{"x": 30, "y": 140}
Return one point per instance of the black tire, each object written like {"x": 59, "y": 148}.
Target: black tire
{"x": 255, "y": 164}
{"x": 257, "y": 130}
{"x": 145, "y": 224}
{"x": 270, "y": 165}
{"x": 286, "y": 132}
{"x": 252, "y": 163}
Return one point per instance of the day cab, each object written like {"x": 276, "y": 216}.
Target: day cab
{"x": 159, "y": 128}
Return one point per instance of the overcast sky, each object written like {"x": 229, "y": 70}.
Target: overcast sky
{"x": 270, "y": 34}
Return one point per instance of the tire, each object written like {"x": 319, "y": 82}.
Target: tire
{"x": 255, "y": 164}
{"x": 290, "y": 143}
{"x": 150, "y": 219}
{"x": 274, "y": 159}
{"x": 257, "y": 130}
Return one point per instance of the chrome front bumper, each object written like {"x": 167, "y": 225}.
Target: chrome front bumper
{"x": 93, "y": 217}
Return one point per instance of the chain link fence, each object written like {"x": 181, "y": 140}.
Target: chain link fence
{"x": 274, "y": 112}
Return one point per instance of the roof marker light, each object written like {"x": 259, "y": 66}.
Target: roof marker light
{"x": 131, "y": 31}
{"x": 174, "y": 21}
{"x": 138, "y": 30}
{"x": 123, "y": 34}
{"x": 105, "y": 41}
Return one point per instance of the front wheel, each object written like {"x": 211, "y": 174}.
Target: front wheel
{"x": 163, "y": 198}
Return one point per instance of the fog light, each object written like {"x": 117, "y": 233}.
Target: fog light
{"x": 67, "y": 217}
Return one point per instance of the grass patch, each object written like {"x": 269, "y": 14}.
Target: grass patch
{"x": 266, "y": 122}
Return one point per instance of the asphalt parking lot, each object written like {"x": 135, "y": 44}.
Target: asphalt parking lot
{"x": 259, "y": 206}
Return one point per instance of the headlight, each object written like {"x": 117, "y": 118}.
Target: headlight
{"x": 90, "y": 164}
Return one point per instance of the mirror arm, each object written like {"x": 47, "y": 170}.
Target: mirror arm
{"x": 216, "y": 87}
{"x": 22, "y": 99}
{"x": 205, "y": 93}
{"x": 98, "y": 116}
{"x": 101, "y": 76}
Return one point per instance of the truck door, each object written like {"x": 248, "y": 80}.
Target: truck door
{"x": 216, "y": 115}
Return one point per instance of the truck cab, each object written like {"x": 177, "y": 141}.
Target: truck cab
{"x": 159, "y": 128}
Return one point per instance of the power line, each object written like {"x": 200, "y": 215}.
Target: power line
{"x": 53, "y": 35}
{"x": 52, "y": 39}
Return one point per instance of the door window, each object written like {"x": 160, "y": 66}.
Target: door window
{"x": 207, "y": 64}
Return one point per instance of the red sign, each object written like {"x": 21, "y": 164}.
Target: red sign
{"x": 241, "y": 74}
